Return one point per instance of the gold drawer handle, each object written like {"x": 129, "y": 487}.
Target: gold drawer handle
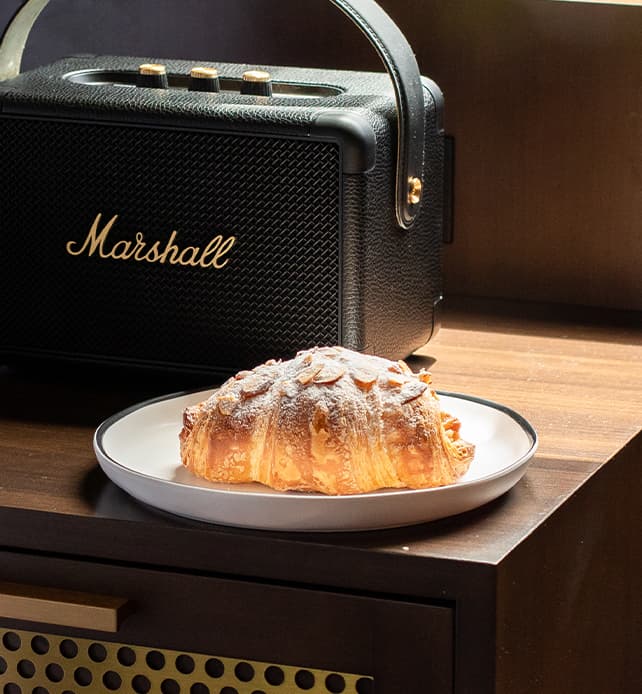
{"x": 62, "y": 607}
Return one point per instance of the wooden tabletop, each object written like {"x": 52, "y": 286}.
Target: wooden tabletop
{"x": 576, "y": 375}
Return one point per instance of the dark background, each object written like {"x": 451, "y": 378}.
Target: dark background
{"x": 544, "y": 99}
{"x": 308, "y": 32}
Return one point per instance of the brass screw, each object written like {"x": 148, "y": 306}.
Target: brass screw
{"x": 415, "y": 189}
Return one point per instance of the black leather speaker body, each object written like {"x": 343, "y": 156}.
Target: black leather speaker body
{"x": 209, "y": 232}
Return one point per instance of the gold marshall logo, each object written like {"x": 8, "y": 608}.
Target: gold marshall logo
{"x": 211, "y": 255}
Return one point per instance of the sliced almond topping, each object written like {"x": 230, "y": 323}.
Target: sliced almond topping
{"x": 270, "y": 362}
{"x": 404, "y": 367}
{"x": 190, "y": 415}
{"x": 412, "y": 390}
{"x": 304, "y": 377}
{"x": 396, "y": 381}
{"x": 288, "y": 389}
{"x": 330, "y": 373}
{"x": 425, "y": 376}
{"x": 364, "y": 379}
{"x": 242, "y": 374}
{"x": 307, "y": 359}
{"x": 226, "y": 404}
{"x": 255, "y": 385}
{"x": 395, "y": 368}
{"x": 450, "y": 423}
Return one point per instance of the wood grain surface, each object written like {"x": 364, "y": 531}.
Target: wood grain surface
{"x": 579, "y": 383}
{"x": 543, "y": 580}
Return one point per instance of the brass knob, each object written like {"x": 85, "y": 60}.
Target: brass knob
{"x": 152, "y": 69}
{"x": 257, "y": 83}
{"x": 256, "y": 76}
{"x": 204, "y": 79}
{"x": 152, "y": 75}
{"x": 415, "y": 190}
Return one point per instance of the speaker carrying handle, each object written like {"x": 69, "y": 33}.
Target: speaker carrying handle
{"x": 386, "y": 38}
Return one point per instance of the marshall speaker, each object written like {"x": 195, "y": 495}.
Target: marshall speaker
{"x": 207, "y": 216}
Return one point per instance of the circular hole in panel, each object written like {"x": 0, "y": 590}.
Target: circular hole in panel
{"x": 11, "y": 641}
{"x": 54, "y": 672}
{"x": 11, "y": 688}
{"x": 199, "y": 688}
{"x": 68, "y": 648}
{"x": 258, "y": 691}
{"x": 214, "y": 667}
{"x": 26, "y": 669}
{"x": 274, "y": 675}
{"x": 112, "y": 680}
{"x": 97, "y": 652}
{"x": 364, "y": 686}
{"x": 155, "y": 660}
{"x": 82, "y": 676}
{"x": 335, "y": 683}
{"x": 170, "y": 686}
{"x": 141, "y": 685}
{"x": 185, "y": 664}
{"x": 39, "y": 645}
{"x": 304, "y": 679}
{"x": 39, "y": 690}
{"x": 126, "y": 656}
{"x": 244, "y": 672}
{"x": 3, "y": 665}
{"x": 229, "y": 690}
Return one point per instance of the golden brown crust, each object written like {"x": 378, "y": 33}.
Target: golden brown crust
{"x": 330, "y": 420}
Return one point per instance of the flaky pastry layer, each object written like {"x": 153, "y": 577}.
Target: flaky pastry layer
{"x": 330, "y": 420}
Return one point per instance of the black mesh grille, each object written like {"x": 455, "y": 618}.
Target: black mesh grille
{"x": 280, "y": 198}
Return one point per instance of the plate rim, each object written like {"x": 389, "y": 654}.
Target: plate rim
{"x": 519, "y": 419}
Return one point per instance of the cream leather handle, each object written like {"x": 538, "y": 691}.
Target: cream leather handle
{"x": 15, "y": 38}
{"x": 385, "y": 37}
{"x": 62, "y": 607}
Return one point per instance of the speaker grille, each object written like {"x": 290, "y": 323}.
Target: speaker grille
{"x": 280, "y": 199}
{"x": 37, "y": 662}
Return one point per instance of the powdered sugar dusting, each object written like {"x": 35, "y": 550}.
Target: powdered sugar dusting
{"x": 325, "y": 376}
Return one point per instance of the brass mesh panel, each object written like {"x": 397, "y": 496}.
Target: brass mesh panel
{"x": 41, "y": 663}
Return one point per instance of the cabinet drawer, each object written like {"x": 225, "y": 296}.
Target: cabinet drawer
{"x": 195, "y": 633}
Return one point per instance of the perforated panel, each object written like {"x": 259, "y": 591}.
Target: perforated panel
{"x": 40, "y": 663}
{"x": 276, "y": 292}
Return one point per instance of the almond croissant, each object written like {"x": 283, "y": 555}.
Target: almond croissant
{"x": 330, "y": 420}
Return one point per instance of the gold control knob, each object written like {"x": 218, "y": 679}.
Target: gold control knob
{"x": 415, "y": 190}
{"x": 257, "y": 83}
{"x": 152, "y": 76}
{"x": 204, "y": 79}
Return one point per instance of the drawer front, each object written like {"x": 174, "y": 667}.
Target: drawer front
{"x": 77, "y": 626}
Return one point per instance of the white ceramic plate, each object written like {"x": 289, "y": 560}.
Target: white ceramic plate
{"x": 138, "y": 450}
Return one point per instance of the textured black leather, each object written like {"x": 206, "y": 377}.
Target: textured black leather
{"x": 385, "y": 37}
{"x": 400, "y": 62}
{"x": 340, "y": 268}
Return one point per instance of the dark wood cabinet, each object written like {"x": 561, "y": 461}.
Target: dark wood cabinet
{"x": 534, "y": 593}
{"x": 312, "y": 635}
